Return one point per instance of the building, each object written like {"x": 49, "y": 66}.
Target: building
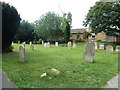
{"x": 99, "y": 36}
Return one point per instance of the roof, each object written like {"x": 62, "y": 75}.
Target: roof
{"x": 81, "y": 30}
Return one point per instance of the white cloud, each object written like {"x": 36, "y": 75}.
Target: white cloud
{"x": 31, "y": 10}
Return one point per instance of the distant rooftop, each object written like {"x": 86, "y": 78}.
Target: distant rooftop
{"x": 80, "y": 30}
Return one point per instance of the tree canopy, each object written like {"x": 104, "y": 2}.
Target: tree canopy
{"x": 10, "y": 24}
{"x": 48, "y": 27}
{"x": 26, "y": 32}
{"x": 104, "y": 17}
{"x": 66, "y": 25}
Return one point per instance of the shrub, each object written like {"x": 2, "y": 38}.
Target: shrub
{"x": 8, "y": 49}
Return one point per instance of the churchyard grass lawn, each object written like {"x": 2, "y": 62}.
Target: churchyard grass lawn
{"x": 74, "y": 72}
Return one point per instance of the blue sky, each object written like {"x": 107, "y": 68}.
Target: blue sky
{"x": 31, "y": 10}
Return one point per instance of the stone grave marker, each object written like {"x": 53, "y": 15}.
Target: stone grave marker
{"x": 32, "y": 47}
{"x": 23, "y": 44}
{"x": 42, "y": 42}
{"x": 69, "y": 45}
{"x": 18, "y": 42}
{"x": 109, "y": 48}
{"x": 30, "y": 43}
{"x": 74, "y": 45}
{"x": 89, "y": 51}
{"x": 56, "y": 44}
{"x": 22, "y": 53}
{"x": 45, "y": 44}
{"x": 101, "y": 46}
{"x": 117, "y": 48}
{"x": 48, "y": 44}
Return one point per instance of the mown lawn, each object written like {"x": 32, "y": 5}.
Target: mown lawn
{"x": 74, "y": 72}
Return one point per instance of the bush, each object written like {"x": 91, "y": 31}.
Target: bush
{"x": 10, "y": 24}
{"x": 8, "y": 49}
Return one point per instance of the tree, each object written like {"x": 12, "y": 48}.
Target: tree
{"x": 10, "y": 24}
{"x": 104, "y": 17}
{"x": 48, "y": 27}
{"x": 26, "y": 32}
{"x": 66, "y": 25}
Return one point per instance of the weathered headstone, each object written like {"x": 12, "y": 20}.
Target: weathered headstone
{"x": 45, "y": 44}
{"x": 101, "y": 46}
{"x": 56, "y": 44}
{"x": 42, "y": 42}
{"x": 74, "y": 45}
{"x": 48, "y": 44}
{"x": 18, "y": 42}
{"x": 89, "y": 51}
{"x": 69, "y": 45}
{"x": 109, "y": 48}
{"x": 30, "y": 43}
{"x": 117, "y": 48}
{"x": 22, "y": 53}
{"x": 32, "y": 47}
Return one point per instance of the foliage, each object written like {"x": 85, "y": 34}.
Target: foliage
{"x": 104, "y": 17}
{"x": 78, "y": 35}
{"x": 8, "y": 49}
{"x": 48, "y": 27}
{"x": 26, "y": 32}
{"x": 66, "y": 25}
{"x": 10, "y": 24}
{"x": 69, "y": 62}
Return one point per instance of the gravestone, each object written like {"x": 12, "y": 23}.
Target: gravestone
{"x": 23, "y": 44}
{"x": 109, "y": 48}
{"x": 56, "y": 44}
{"x": 30, "y": 43}
{"x": 12, "y": 43}
{"x": 48, "y": 44}
{"x": 101, "y": 46}
{"x": 18, "y": 42}
{"x": 74, "y": 45}
{"x": 69, "y": 45}
{"x": 45, "y": 44}
{"x": 32, "y": 47}
{"x": 117, "y": 48}
{"x": 42, "y": 42}
{"x": 22, "y": 53}
{"x": 89, "y": 51}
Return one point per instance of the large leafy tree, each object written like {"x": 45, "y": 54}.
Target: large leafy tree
{"x": 26, "y": 32}
{"x": 48, "y": 27}
{"x": 66, "y": 25}
{"x": 10, "y": 24}
{"x": 104, "y": 17}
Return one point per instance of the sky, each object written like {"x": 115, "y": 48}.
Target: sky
{"x": 31, "y": 10}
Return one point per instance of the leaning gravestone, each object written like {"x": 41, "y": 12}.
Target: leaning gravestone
{"x": 48, "y": 44}
{"x": 89, "y": 51}
{"x": 32, "y": 47}
{"x": 117, "y": 48}
{"x": 74, "y": 45}
{"x": 69, "y": 45}
{"x": 109, "y": 48}
{"x": 45, "y": 44}
{"x": 56, "y": 44}
{"x": 101, "y": 46}
{"x": 22, "y": 53}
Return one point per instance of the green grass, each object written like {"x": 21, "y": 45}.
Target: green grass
{"x": 74, "y": 72}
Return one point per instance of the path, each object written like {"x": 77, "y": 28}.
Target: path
{"x": 113, "y": 83}
{"x": 6, "y": 83}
